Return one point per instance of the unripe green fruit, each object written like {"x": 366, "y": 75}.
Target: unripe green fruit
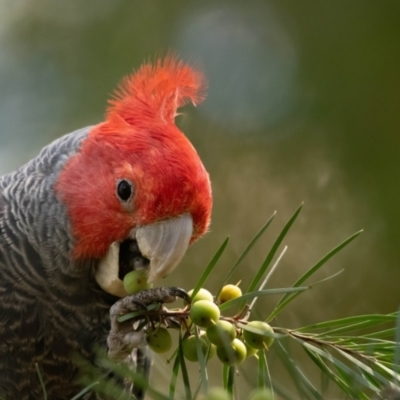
{"x": 212, "y": 349}
{"x": 190, "y": 350}
{"x": 204, "y": 313}
{"x": 223, "y": 332}
{"x": 261, "y": 394}
{"x": 159, "y": 340}
{"x": 136, "y": 281}
{"x": 229, "y": 292}
{"x": 256, "y": 340}
{"x": 185, "y": 325}
{"x": 251, "y": 351}
{"x": 202, "y": 294}
{"x": 218, "y": 394}
{"x": 233, "y": 354}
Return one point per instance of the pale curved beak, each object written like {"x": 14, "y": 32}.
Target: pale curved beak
{"x": 106, "y": 273}
{"x": 163, "y": 243}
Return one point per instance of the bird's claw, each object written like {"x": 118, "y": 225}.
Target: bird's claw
{"x": 122, "y": 338}
{"x": 160, "y": 295}
{"x": 177, "y": 292}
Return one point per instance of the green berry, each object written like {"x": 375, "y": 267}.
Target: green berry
{"x": 211, "y": 347}
{"x": 185, "y": 324}
{"x": 159, "y": 340}
{"x": 233, "y": 354}
{"x": 204, "y": 313}
{"x": 223, "y": 332}
{"x": 202, "y": 294}
{"x": 229, "y": 292}
{"x": 256, "y": 340}
{"x": 261, "y": 394}
{"x": 251, "y": 351}
{"x": 218, "y": 394}
{"x": 190, "y": 350}
{"x": 136, "y": 281}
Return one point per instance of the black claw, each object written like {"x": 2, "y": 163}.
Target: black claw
{"x": 178, "y": 292}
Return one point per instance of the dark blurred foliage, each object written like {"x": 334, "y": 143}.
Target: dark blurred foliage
{"x": 302, "y": 106}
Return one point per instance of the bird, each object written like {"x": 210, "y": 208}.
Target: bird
{"x": 130, "y": 191}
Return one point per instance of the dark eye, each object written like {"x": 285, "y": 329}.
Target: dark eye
{"x": 124, "y": 190}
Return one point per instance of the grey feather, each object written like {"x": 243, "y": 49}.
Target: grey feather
{"x": 51, "y": 310}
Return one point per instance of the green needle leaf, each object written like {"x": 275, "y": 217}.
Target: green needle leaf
{"x": 327, "y": 371}
{"x": 245, "y": 252}
{"x": 304, "y": 386}
{"x": 264, "y": 377}
{"x": 372, "y": 319}
{"x": 252, "y": 295}
{"x": 174, "y": 377}
{"x": 210, "y": 267}
{"x": 288, "y": 298}
{"x": 365, "y": 368}
{"x": 261, "y": 370}
{"x": 41, "y": 381}
{"x": 82, "y": 392}
{"x": 273, "y": 250}
{"x": 397, "y": 349}
{"x": 231, "y": 380}
{"x": 202, "y": 363}
{"x": 339, "y": 364}
{"x": 137, "y": 313}
{"x": 185, "y": 375}
{"x": 225, "y": 374}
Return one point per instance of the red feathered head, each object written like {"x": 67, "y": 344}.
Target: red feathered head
{"x": 137, "y": 168}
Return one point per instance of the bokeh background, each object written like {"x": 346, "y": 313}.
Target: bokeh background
{"x": 303, "y": 106}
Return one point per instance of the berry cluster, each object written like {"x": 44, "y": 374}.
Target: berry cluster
{"x": 219, "y": 334}
{"x": 202, "y": 321}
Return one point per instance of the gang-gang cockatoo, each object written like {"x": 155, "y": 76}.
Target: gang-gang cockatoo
{"x": 129, "y": 192}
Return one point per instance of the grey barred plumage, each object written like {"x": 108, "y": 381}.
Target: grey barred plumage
{"x": 49, "y": 306}
{"x": 66, "y": 232}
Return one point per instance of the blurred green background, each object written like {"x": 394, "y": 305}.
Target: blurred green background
{"x": 303, "y": 105}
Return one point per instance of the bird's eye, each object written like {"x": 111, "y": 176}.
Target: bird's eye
{"x": 124, "y": 190}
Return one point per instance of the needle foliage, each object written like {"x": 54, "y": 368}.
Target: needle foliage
{"x": 359, "y": 354}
